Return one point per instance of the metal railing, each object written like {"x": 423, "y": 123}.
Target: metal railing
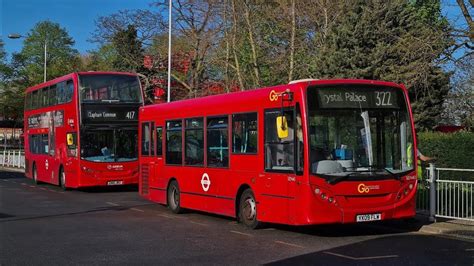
{"x": 447, "y": 193}
{"x": 12, "y": 158}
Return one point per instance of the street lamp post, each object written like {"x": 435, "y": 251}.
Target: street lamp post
{"x": 169, "y": 50}
{"x": 18, "y": 36}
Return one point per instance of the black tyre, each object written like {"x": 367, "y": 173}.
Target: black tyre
{"x": 248, "y": 210}
{"x": 62, "y": 179}
{"x": 174, "y": 197}
{"x": 35, "y": 174}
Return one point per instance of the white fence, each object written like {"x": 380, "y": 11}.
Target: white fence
{"x": 447, "y": 193}
{"x": 12, "y": 158}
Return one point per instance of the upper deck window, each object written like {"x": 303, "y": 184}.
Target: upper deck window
{"x": 109, "y": 88}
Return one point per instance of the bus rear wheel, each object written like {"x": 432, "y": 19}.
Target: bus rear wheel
{"x": 248, "y": 210}
{"x": 62, "y": 179}
{"x": 174, "y": 197}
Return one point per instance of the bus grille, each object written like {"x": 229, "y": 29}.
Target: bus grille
{"x": 144, "y": 178}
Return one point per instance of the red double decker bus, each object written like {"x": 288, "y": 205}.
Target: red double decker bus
{"x": 310, "y": 152}
{"x": 81, "y": 130}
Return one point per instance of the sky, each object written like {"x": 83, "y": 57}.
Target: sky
{"x": 76, "y": 16}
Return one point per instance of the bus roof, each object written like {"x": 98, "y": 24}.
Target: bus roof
{"x": 255, "y": 96}
{"x": 70, "y": 75}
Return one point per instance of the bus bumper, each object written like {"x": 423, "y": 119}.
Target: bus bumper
{"x": 323, "y": 212}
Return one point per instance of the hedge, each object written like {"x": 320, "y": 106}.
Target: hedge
{"x": 451, "y": 150}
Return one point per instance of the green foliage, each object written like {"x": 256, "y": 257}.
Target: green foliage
{"x": 103, "y": 59}
{"x": 394, "y": 41}
{"x": 128, "y": 48}
{"x": 61, "y": 57}
{"x": 5, "y": 69}
{"x": 454, "y": 150}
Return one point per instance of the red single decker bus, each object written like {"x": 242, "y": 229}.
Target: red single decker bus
{"x": 81, "y": 130}
{"x": 310, "y": 152}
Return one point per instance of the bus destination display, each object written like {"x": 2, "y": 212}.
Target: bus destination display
{"x": 108, "y": 114}
{"x": 353, "y": 97}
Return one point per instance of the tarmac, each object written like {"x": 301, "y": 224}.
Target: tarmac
{"x": 461, "y": 229}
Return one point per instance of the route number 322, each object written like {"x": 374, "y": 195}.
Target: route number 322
{"x": 383, "y": 98}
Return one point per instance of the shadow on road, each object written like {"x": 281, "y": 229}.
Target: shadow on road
{"x": 94, "y": 210}
{"x": 393, "y": 250}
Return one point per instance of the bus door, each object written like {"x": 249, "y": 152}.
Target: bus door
{"x": 279, "y": 162}
{"x": 147, "y": 161}
{"x": 156, "y": 177}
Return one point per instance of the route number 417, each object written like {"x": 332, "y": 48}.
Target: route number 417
{"x": 130, "y": 115}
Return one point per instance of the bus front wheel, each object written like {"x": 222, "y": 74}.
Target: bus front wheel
{"x": 174, "y": 202}
{"x": 35, "y": 174}
{"x": 248, "y": 209}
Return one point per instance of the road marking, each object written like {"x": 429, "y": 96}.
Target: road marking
{"x": 193, "y": 222}
{"x": 269, "y": 229}
{"x": 32, "y": 186}
{"x": 166, "y": 216}
{"x": 42, "y": 188}
{"x": 361, "y": 258}
{"x": 137, "y": 210}
{"x": 470, "y": 249}
{"x": 113, "y": 204}
{"x": 52, "y": 190}
{"x": 5, "y": 180}
{"x": 240, "y": 233}
{"x": 288, "y": 244}
{"x": 23, "y": 184}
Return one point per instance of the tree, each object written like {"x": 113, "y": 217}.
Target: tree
{"x": 5, "y": 70}
{"x": 102, "y": 59}
{"x": 61, "y": 58}
{"x": 128, "y": 48}
{"x": 459, "y": 104}
{"x": 395, "y": 41}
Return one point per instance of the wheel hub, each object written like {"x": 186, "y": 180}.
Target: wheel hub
{"x": 250, "y": 209}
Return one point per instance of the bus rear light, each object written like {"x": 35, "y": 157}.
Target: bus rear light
{"x": 330, "y": 199}
{"x": 410, "y": 186}
{"x": 405, "y": 191}
{"x": 317, "y": 191}
{"x": 323, "y": 196}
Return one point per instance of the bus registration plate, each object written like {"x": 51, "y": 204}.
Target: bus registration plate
{"x": 368, "y": 217}
{"x": 114, "y": 183}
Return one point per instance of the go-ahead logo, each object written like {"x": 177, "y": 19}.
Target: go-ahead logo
{"x": 362, "y": 188}
{"x": 273, "y": 96}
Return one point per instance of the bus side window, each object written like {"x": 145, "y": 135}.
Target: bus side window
{"x": 174, "y": 138}
{"x": 52, "y": 95}
{"x": 159, "y": 141}
{"x": 69, "y": 91}
{"x": 152, "y": 140}
{"x": 194, "y": 142}
{"x": 217, "y": 142}
{"x": 145, "y": 141}
{"x": 244, "y": 133}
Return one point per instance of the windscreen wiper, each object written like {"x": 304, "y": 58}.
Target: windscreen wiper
{"x": 338, "y": 179}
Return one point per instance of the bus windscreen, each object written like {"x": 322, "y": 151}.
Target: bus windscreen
{"x": 358, "y": 131}
{"x": 109, "y": 88}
